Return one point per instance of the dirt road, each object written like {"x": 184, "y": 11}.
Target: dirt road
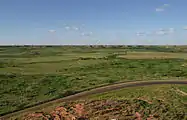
{"x": 93, "y": 91}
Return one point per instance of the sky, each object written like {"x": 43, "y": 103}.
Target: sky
{"x": 62, "y": 22}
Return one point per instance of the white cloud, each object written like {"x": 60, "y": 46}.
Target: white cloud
{"x": 83, "y": 34}
{"x": 72, "y": 28}
{"x": 140, "y": 33}
{"x": 162, "y": 8}
{"x": 171, "y": 30}
{"x": 166, "y": 5}
{"x": 86, "y": 33}
{"x": 185, "y": 28}
{"x": 161, "y": 31}
{"x": 149, "y": 33}
{"x": 90, "y": 33}
{"x": 159, "y": 9}
{"x": 52, "y": 31}
{"x": 67, "y": 28}
{"x": 75, "y": 28}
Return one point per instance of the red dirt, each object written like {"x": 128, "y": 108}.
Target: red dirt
{"x": 101, "y": 110}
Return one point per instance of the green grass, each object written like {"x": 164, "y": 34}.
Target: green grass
{"x": 55, "y": 72}
{"x": 149, "y": 93}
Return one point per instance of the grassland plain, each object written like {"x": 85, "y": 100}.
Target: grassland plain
{"x": 29, "y": 75}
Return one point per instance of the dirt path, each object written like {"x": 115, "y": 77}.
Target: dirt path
{"x": 94, "y": 91}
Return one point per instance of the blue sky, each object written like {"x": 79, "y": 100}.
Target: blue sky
{"x": 93, "y": 22}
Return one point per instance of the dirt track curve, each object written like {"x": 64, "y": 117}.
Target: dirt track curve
{"x": 94, "y": 91}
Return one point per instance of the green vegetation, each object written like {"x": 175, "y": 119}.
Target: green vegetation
{"x": 166, "y": 93}
{"x": 154, "y": 99}
{"x": 160, "y": 101}
{"x": 30, "y": 75}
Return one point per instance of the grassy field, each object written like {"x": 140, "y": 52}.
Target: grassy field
{"x": 30, "y": 75}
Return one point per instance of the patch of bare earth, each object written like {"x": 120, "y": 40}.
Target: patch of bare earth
{"x": 108, "y": 110}
{"x": 181, "y": 92}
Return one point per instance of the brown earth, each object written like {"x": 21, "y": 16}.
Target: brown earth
{"x": 108, "y": 110}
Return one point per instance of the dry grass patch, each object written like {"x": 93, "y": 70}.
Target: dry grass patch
{"x": 153, "y": 55}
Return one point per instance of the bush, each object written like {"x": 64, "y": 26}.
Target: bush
{"x": 113, "y": 56}
{"x": 88, "y": 58}
{"x": 111, "y": 81}
{"x": 67, "y": 93}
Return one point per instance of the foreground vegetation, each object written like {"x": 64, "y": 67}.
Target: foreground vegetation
{"x": 112, "y": 109}
{"x": 31, "y": 75}
{"x": 156, "y": 101}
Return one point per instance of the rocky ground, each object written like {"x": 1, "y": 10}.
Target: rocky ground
{"x": 111, "y": 110}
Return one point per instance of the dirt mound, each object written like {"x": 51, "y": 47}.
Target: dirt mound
{"x": 60, "y": 113}
{"x": 110, "y": 110}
